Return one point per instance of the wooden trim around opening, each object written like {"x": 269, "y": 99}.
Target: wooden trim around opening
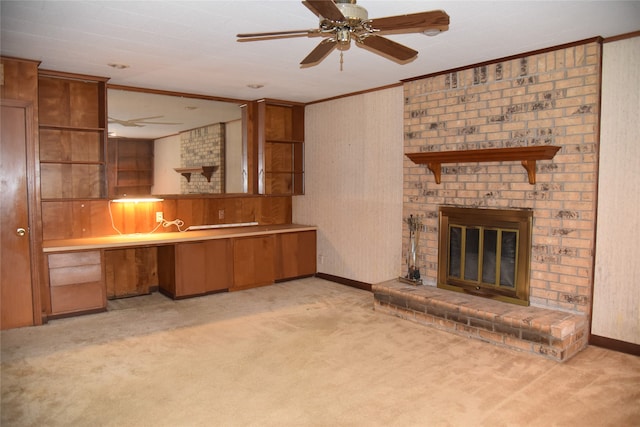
{"x": 506, "y": 58}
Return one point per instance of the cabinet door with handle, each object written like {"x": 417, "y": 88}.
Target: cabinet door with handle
{"x": 218, "y": 265}
{"x": 195, "y": 268}
{"x": 296, "y": 255}
{"x": 190, "y": 269}
{"x": 253, "y": 261}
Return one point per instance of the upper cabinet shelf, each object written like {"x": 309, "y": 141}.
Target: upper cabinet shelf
{"x": 526, "y": 155}
{"x": 280, "y": 147}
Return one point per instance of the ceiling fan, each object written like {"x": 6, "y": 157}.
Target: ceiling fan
{"x": 343, "y": 20}
{"x": 140, "y": 122}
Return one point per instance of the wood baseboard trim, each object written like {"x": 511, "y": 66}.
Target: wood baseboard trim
{"x": 294, "y": 278}
{"x": 76, "y": 313}
{"x": 616, "y": 345}
{"x": 343, "y": 281}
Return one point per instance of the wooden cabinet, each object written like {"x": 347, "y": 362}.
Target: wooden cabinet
{"x": 296, "y": 255}
{"x": 77, "y": 283}
{"x": 80, "y": 281}
{"x": 130, "y": 166}
{"x": 72, "y": 136}
{"x": 130, "y": 272}
{"x": 280, "y": 147}
{"x": 198, "y": 268}
{"x": 254, "y": 261}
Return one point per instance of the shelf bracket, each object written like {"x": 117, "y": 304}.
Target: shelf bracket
{"x": 436, "y": 168}
{"x": 206, "y": 171}
{"x": 530, "y": 166}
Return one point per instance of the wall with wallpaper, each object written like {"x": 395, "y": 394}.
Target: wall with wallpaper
{"x": 353, "y": 184}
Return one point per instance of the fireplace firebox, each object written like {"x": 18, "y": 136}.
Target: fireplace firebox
{"x": 485, "y": 252}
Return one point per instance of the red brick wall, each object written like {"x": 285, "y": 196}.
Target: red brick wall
{"x": 545, "y": 98}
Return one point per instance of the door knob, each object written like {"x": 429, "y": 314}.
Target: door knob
{"x": 21, "y": 231}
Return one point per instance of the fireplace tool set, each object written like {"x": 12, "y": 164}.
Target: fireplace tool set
{"x": 413, "y": 271}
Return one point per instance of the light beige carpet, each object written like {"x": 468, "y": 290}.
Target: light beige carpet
{"x": 301, "y": 353}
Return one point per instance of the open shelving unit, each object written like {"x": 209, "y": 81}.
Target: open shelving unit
{"x": 130, "y": 166}
{"x": 280, "y": 148}
{"x": 71, "y": 115}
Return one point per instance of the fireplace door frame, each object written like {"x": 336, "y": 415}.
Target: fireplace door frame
{"x": 503, "y": 219}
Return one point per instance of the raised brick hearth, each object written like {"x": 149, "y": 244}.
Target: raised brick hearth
{"x": 549, "y": 333}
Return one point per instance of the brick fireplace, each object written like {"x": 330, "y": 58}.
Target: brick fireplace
{"x": 543, "y": 98}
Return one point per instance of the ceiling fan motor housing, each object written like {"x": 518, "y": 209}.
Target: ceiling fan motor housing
{"x": 354, "y": 17}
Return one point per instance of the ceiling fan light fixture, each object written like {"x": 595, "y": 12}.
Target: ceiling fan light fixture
{"x": 352, "y": 11}
{"x": 431, "y": 32}
{"x": 118, "y": 66}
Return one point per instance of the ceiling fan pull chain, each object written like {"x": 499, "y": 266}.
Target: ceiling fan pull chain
{"x": 341, "y": 61}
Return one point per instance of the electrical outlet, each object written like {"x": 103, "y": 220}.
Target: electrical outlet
{"x": 159, "y": 217}
{"x": 220, "y": 213}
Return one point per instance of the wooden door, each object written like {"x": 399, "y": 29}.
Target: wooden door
{"x": 16, "y": 298}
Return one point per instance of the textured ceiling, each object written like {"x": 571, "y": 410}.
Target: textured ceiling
{"x": 191, "y": 47}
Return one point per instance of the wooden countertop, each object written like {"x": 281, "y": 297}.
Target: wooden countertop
{"x": 156, "y": 239}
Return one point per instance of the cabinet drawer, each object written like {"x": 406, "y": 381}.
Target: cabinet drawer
{"x": 77, "y": 297}
{"x": 74, "y": 259}
{"x": 78, "y": 274}
{"x": 80, "y": 267}
{"x": 76, "y": 282}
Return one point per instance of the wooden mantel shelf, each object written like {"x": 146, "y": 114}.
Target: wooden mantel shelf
{"x": 526, "y": 155}
{"x": 206, "y": 171}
